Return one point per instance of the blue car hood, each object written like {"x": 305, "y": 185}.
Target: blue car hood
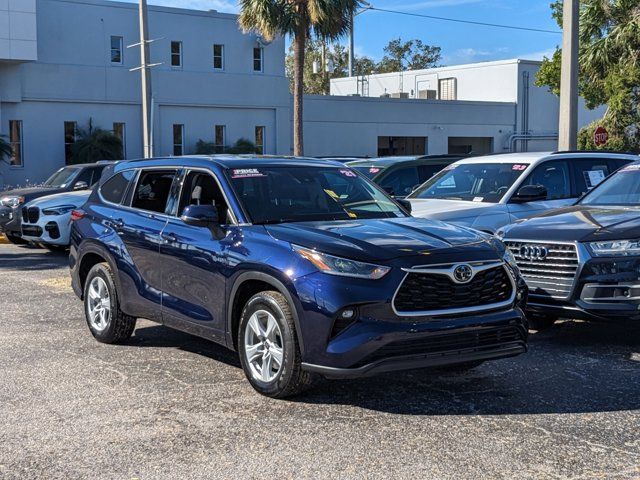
{"x": 377, "y": 240}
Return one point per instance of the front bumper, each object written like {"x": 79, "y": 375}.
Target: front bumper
{"x": 50, "y": 229}
{"x": 7, "y": 218}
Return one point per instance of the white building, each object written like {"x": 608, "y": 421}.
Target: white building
{"x": 65, "y": 63}
{"x": 214, "y": 83}
{"x": 482, "y": 108}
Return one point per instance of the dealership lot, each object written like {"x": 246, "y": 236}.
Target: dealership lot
{"x": 168, "y": 405}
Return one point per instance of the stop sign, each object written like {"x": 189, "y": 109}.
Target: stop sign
{"x": 600, "y": 136}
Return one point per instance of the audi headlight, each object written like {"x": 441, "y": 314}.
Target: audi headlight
{"x": 615, "y": 248}
{"x": 12, "y": 201}
{"x": 341, "y": 266}
{"x": 59, "y": 210}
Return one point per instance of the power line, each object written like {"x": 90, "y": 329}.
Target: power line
{"x": 470, "y": 22}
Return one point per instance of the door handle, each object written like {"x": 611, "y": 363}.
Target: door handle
{"x": 169, "y": 237}
{"x": 117, "y": 223}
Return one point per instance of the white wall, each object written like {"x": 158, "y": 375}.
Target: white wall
{"x": 18, "y": 39}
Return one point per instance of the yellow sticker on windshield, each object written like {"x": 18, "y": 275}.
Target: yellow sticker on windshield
{"x": 332, "y": 194}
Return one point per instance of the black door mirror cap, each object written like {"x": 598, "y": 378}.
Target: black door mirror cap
{"x": 200, "y": 215}
{"x": 404, "y": 203}
{"x": 530, "y": 193}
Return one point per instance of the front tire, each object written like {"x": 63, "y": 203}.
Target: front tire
{"x": 269, "y": 349}
{"x": 107, "y": 323}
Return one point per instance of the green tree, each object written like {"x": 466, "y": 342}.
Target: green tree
{"x": 410, "y": 55}
{"x": 609, "y": 62}
{"x": 302, "y": 20}
{"x": 95, "y": 144}
{"x": 5, "y": 148}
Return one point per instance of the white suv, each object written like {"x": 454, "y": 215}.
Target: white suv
{"x": 489, "y": 192}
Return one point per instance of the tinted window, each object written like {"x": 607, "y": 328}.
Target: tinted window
{"x": 622, "y": 188}
{"x": 477, "y": 182}
{"x": 114, "y": 189}
{"x": 86, "y": 175}
{"x": 296, "y": 194}
{"x": 401, "y": 181}
{"x": 589, "y": 173}
{"x": 200, "y": 188}
{"x": 152, "y": 190}
{"x": 62, "y": 177}
{"x": 425, "y": 172}
{"x": 555, "y": 177}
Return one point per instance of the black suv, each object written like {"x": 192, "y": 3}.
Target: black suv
{"x": 303, "y": 266}
{"x": 73, "y": 177}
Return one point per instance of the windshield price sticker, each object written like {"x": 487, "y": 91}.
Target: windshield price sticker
{"x": 478, "y": 199}
{"x": 246, "y": 173}
{"x": 593, "y": 177}
{"x": 519, "y": 167}
{"x": 374, "y": 170}
{"x": 348, "y": 173}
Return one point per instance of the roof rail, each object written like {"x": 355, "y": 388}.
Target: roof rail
{"x": 560, "y": 152}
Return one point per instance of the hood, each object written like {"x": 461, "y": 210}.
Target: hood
{"x": 447, "y": 209}
{"x": 579, "y": 223}
{"x": 30, "y": 193}
{"x": 378, "y": 240}
{"x": 77, "y": 199}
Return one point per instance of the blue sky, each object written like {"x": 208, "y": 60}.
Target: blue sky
{"x": 460, "y": 43}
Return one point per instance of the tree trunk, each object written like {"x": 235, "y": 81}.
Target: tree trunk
{"x": 298, "y": 90}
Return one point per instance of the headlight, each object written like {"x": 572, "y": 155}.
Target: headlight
{"x": 12, "y": 201}
{"x": 341, "y": 266}
{"x": 509, "y": 258}
{"x": 60, "y": 210}
{"x": 615, "y": 248}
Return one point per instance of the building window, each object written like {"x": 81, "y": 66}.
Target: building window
{"x": 116, "y": 50}
{"x": 176, "y": 54}
{"x": 178, "y": 140}
{"x": 260, "y": 146}
{"x": 258, "y": 54}
{"x": 218, "y": 57}
{"x": 447, "y": 89}
{"x": 219, "y": 140}
{"x": 15, "y": 140}
{"x": 70, "y": 135}
{"x": 119, "y": 130}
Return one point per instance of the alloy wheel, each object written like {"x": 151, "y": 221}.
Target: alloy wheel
{"x": 263, "y": 346}
{"x": 99, "y": 304}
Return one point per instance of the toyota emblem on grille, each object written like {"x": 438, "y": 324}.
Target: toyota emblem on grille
{"x": 463, "y": 273}
{"x": 534, "y": 252}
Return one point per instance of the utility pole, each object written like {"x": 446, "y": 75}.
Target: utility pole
{"x": 568, "y": 127}
{"x": 145, "y": 73}
{"x": 351, "y": 45}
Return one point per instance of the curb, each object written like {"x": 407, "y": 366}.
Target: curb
{"x": 3, "y": 240}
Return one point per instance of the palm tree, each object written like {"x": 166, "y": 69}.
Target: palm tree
{"x": 302, "y": 20}
{"x": 5, "y": 148}
{"x": 95, "y": 144}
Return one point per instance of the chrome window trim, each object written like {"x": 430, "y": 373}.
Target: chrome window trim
{"x": 477, "y": 266}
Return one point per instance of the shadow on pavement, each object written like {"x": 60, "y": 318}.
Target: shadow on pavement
{"x": 26, "y": 258}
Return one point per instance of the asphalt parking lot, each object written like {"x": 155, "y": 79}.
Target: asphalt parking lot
{"x": 168, "y": 405}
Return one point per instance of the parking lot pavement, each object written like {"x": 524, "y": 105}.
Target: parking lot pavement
{"x": 169, "y": 405}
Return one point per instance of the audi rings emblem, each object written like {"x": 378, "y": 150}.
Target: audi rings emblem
{"x": 534, "y": 252}
{"x": 462, "y": 273}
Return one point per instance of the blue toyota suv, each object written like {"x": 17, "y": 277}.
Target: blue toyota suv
{"x": 305, "y": 267}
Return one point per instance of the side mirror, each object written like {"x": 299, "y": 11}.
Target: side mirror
{"x": 530, "y": 193}
{"x": 200, "y": 215}
{"x": 80, "y": 185}
{"x": 406, "y": 204}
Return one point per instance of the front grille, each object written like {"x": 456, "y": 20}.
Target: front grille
{"x": 31, "y": 231}
{"x": 452, "y": 344}
{"x": 429, "y": 292}
{"x": 30, "y": 214}
{"x": 551, "y": 277}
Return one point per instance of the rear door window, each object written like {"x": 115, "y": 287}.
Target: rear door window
{"x": 153, "y": 190}
{"x": 114, "y": 189}
{"x": 553, "y": 175}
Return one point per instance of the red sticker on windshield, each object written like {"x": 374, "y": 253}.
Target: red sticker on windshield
{"x": 519, "y": 168}
{"x": 374, "y": 170}
{"x": 348, "y": 173}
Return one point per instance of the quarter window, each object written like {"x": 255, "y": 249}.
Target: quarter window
{"x": 15, "y": 140}
{"x": 178, "y": 140}
{"x": 554, "y": 176}
{"x": 114, "y": 189}
{"x": 258, "y": 54}
{"x": 260, "y": 147}
{"x": 70, "y": 135}
{"x": 116, "y": 50}
{"x": 218, "y": 57}
{"x": 176, "y": 54}
{"x": 153, "y": 189}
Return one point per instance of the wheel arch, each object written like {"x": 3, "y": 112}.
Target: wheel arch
{"x": 91, "y": 254}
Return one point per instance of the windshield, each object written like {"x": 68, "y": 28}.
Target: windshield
{"x": 476, "y": 182}
{"x": 368, "y": 171}
{"x": 622, "y": 188}
{"x": 296, "y": 194}
{"x": 61, "y": 178}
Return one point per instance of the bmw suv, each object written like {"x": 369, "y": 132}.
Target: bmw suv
{"x": 304, "y": 267}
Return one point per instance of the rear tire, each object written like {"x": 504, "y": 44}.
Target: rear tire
{"x": 541, "y": 322}
{"x": 269, "y": 349}
{"x": 107, "y": 323}
{"x": 15, "y": 240}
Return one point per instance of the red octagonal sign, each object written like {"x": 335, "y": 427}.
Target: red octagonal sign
{"x": 600, "y": 136}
